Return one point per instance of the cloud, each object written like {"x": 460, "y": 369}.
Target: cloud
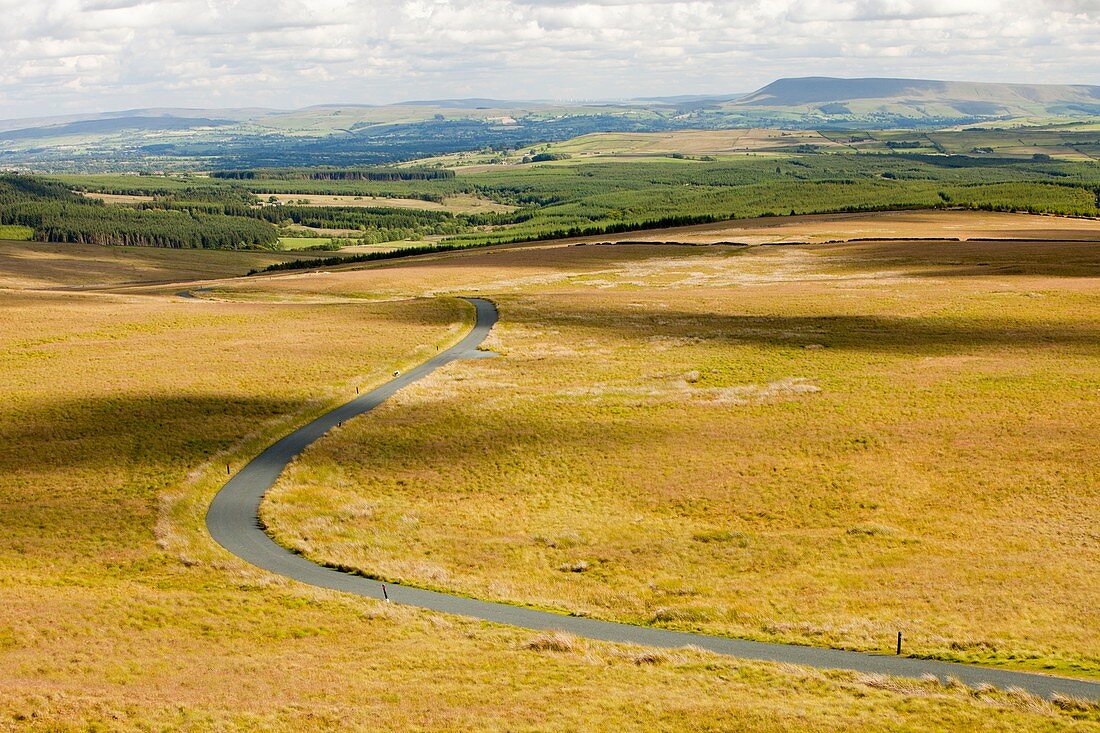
{"x": 62, "y": 56}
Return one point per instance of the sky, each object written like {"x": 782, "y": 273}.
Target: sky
{"x": 76, "y": 56}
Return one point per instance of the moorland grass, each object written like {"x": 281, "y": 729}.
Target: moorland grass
{"x": 43, "y": 264}
{"x": 820, "y": 445}
{"x": 119, "y": 415}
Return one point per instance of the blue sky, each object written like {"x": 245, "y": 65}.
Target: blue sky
{"x": 66, "y": 56}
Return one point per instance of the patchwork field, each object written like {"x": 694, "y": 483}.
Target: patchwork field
{"x": 825, "y": 495}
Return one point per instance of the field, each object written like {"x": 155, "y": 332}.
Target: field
{"x": 41, "y": 265}
{"x": 459, "y": 203}
{"x": 692, "y": 142}
{"x": 15, "y": 232}
{"x": 783, "y": 443}
{"x": 914, "y": 225}
{"x": 122, "y": 410}
{"x": 1070, "y": 143}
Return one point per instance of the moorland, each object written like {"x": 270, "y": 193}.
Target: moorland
{"x": 788, "y": 385}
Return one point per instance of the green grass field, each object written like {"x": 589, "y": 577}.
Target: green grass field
{"x": 293, "y": 243}
{"x": 15, "y": 232}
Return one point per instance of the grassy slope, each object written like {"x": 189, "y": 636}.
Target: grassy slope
{"x": 664, "y": 424}
{"x": 41, "y": 264}
{"x": 119, "y": 613}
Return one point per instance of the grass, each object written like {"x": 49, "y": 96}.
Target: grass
{"x": 794, "y": 444}
{"x": 293, "y": 243}
{"x": 918, "y": 224}
{"x": 16, "y": 233}
{"x": 458, "y": 203}
{"x": 120, "y": 412}
{"x": 40, "y": 264}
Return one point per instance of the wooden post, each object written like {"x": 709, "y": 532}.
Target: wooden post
{"x": 227, "y": 469}
{"x": 899, "y": 642}
{"x": 385, "y": 594}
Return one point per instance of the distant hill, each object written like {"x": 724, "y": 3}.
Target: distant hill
{"x": 235, "y": 114}
{"x": 110, "y": 126}
{"x": 365, "y": 134}
{"x": 919, "y": 99}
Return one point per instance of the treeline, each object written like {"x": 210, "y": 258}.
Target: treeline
{"x": 58, "y": 215}
{"x": 372, "y": 224}
{"x": 376, "y": 225}
{"x": 122, "y": 226}
{"x": 360, "y": 174}
{"x": 393, "y": 254}
{"x": 665, "y": 222}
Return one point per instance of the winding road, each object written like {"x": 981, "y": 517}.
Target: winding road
{"x": 233, "y": 521}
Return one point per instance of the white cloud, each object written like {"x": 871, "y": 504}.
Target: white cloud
{"x": 61, "y": 56}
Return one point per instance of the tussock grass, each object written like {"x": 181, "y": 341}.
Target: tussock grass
{"x": 656, "y": 415}
{"x": 556, "y": 641}
{"x": 121, "y": 411}
{"x": 48, "y": 265}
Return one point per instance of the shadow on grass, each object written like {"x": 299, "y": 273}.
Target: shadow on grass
{"x": 87, "y": 473}
{"x": 975, "y": 258}
{"x": 892, "y": 334}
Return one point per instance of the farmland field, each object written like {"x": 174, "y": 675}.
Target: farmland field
{"x": 458, "y": 203}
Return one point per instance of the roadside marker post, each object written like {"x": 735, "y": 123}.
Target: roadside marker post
{"x": 227, "y": 469}
{"x": 899, "y": 642}
{"x": 385, "y": 594}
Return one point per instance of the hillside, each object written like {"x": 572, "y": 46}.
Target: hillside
{"x": 362, "y": 134}
{"x": 922, "y": 98}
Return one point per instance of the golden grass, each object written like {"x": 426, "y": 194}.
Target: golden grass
{"x": 818, "y": 228}
{"x": 459, "y": 204}
{"x": 117, "y": 198}
{"x": 815, "y": 445}
{"x": 689, "y": 142}
{"x": 119, "y": 414}
{"x": 45, "y": 265}
{"x": 119, "y": 614}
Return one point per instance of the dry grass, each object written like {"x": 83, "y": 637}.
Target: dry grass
{"x": 119, "y": 613}
{"x": 459, "y": 204}
{"x": 885, "y": 224}
{"x": 689, "y": 142}
{"x": 855, "y": 418}
{"x": 44, "y": 265}
{"x": 556, "y": 641}
{"x": 117, "y": 198}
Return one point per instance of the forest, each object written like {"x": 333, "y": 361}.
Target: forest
{"x": 235, "y": 209}
{"x": 58, "y": 215}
